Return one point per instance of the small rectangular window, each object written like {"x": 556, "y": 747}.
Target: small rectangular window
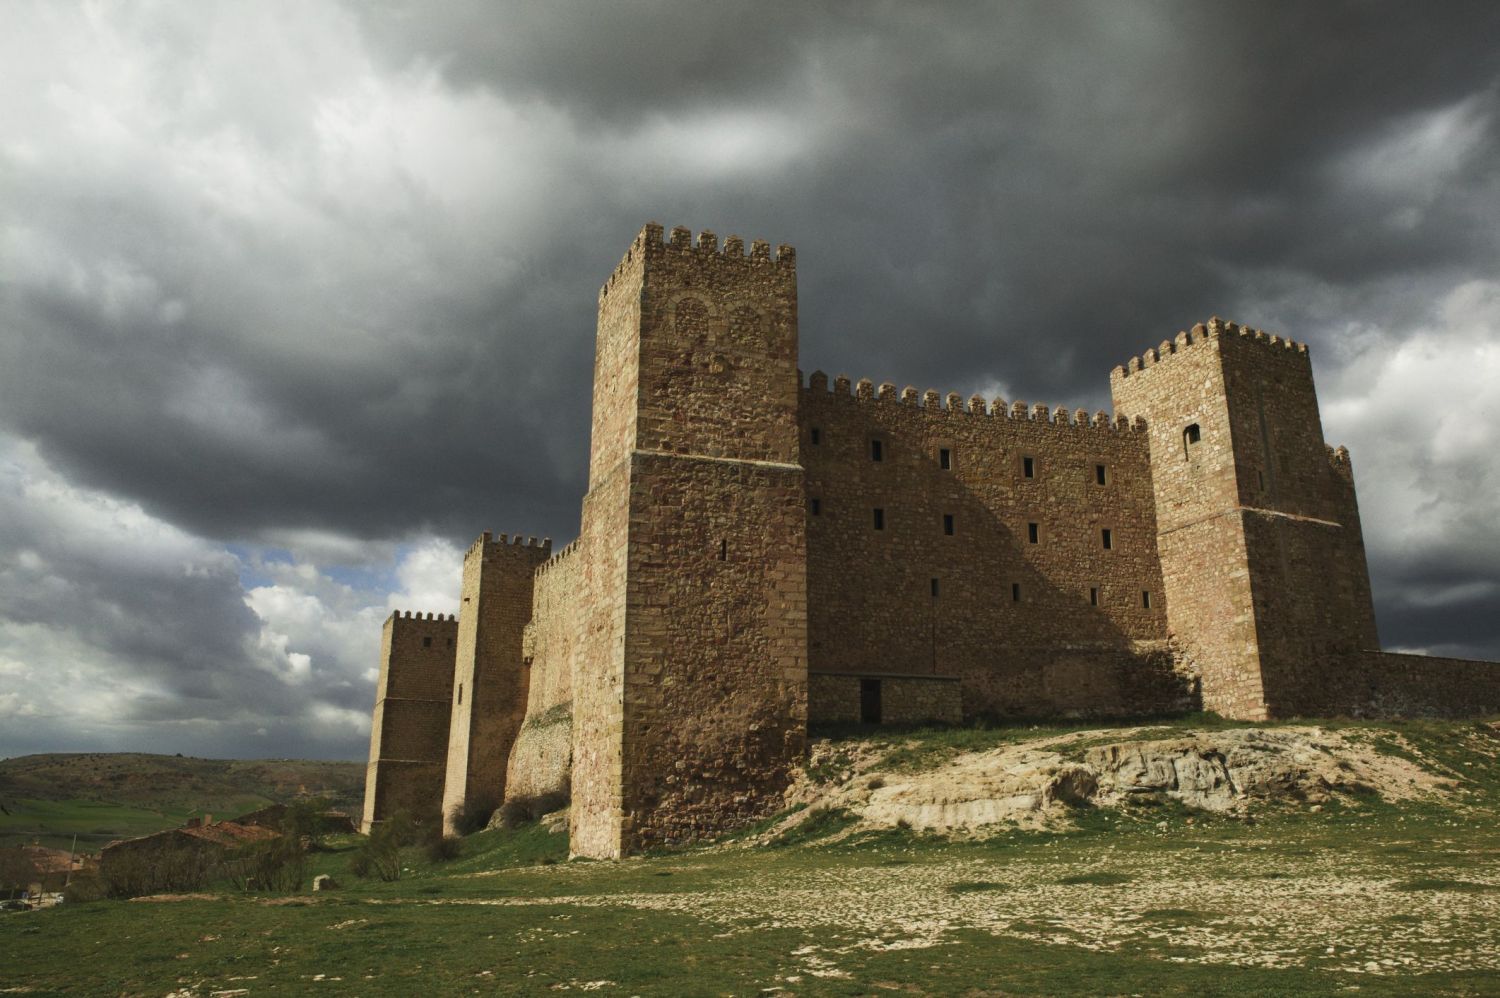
{"x": 934, "y": 588}
{"x": 426, "y": 642}
{"x": 1146, "y": 598}
{"x": 1107, "y": 537}
{"x": 460, "y": 694}
{"x": 1101, "y": 477}
{"x": 1033, "y": 533}
{"x": 723, "y": 550}
{"x": 817, "y": 506}
{"x": 877, "y": 452}
{"x": 1093, "y": 596}
{"x": 817, "y": 436}
{"x": 945, "y": 458}
{"x": 948, "y": 524}
{"x": 879, "y": 518}
{"x": 1015, "y": 592}
{"x": 1028, "y": 467}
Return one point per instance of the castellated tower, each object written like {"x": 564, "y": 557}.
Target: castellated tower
{"x": 490, "y": 678}
{"x": 1258, "y": 532}
{"x": 690, "y": 701}
{"x": 409, "y": 731}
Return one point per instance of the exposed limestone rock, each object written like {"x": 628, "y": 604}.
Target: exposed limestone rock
{"x": 1039, "y": 783}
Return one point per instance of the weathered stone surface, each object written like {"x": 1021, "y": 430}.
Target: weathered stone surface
{"x": 755, "y": 550}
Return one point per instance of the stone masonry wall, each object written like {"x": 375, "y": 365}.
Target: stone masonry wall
{"x": 490, "y": 681}
{"x": 952, "y": 581}
{"x": 690, "y": 713}
{"x": 543, "y": 754}
{"x": 834, "y": 698}
{"x": 1260, "y": 541}
{"x": 409, "y": 730}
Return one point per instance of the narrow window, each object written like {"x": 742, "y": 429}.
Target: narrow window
{"x": 1260, "y": 479}
{"x": 450, "y": 642}
{"x": 1028, "y": 467}
{"x": 945, "y": 458}
{"x": 879, "y": 518}
{"x": 934, "y": 588}
{"x": 1107, "y": 537}
{"x": 1093, "y": 596}
{"x": 1033, "y": 533}
{"x": 877, "y": 452}
{"x": 817, "y": 436}
{"x": 1146, "y": 598}
{"x": 426, "y": 642}
{"x": 869, "y": 701}
{"x": 1015, "y": 592}
{"x": 1100, "y": 475}
{"x": 817, "y": 507}
{"x": 948, "y": 524}
{"x": 1190, "y": 436}
{"x": 460, "y": 694}
{"x": 723, "y": 550}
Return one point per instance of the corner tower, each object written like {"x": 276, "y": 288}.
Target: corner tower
{"x": 690, "y": 704}
{"x": 1262, "y": 556}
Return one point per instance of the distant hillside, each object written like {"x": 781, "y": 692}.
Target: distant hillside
{"x": 107, "y": 795}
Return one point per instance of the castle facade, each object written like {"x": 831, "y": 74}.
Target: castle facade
{"x": 758, "y": 552}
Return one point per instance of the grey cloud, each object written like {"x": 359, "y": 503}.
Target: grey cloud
{"x": 343, "y": 284}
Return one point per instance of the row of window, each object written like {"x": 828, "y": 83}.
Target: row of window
{"x": 950, "y": 525}
{"x": 945, "y": 457}
{"x": 1016, "y": 595}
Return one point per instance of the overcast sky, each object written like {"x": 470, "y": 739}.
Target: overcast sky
{"x": 297, "y": 298}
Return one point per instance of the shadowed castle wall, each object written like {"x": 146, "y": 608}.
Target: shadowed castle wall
{"x": 1059, "y": 625}
{"x": 409, "y": 731}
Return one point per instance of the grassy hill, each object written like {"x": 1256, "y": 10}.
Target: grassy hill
{"x": 1383, "y": 890}
{"x": 101, "y": 796}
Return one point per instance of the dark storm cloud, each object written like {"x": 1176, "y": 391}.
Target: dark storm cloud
{"x": 327, "y": 272}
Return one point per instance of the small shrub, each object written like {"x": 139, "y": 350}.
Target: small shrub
{"x": 474, "y": 814}
{"x": 524, "y": 810}
{"x": 379, "y": 855}
{"x": 278, "y": 866}
{"x": 974, "y": 886}
{"x": 875, "y": 784}
{"x": 441, "y": 849}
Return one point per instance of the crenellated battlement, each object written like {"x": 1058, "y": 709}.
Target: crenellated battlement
{"x": 405, "y": 615}
{"x": 653, "y": 240}
{"x": 864, "y": 392}
{"x": 488, "y": 540}
{"x": 1214, "y": 329}
{"x": 561, "y": 556}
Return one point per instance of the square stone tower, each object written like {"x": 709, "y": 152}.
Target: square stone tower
{"x": 690, "y": 704}
{"x": 490, "y": 680}
{"x": 1262, "y": 556}
{"x": 409, "y": 731}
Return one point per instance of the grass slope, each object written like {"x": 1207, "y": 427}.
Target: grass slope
{"x": 1384, "y": 898}
{"x": 101, "y": 796}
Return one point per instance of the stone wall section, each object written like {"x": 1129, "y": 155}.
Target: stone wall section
{"x": 490, "y": 680}
{"x": 409, "y": 730}
{"x": 987, "y": 561}
{"x": 715, "y": 671}
{"x": 837, "y": 698}
{"x": 542, "y": 758}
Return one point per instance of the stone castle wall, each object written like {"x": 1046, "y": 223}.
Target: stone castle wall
{"x": 541, "y": 761}
{"x": 987, "y": 561}
{"x": 756, "y": 553}
{"x": 409, "y": 730}
{"x": 490, "y": 681}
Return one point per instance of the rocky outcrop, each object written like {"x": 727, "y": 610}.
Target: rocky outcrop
{"x": 1040, "y": 783}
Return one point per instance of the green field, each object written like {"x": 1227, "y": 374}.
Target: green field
{"x": 102, "y": 796}
{"x": 1363, "y": 896}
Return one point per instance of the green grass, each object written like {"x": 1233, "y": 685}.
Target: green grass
{"x": 96, "y": 823}
{"x": 875, "y": 911}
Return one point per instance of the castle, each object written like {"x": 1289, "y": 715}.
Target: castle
{"x": 758, "y": 552}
